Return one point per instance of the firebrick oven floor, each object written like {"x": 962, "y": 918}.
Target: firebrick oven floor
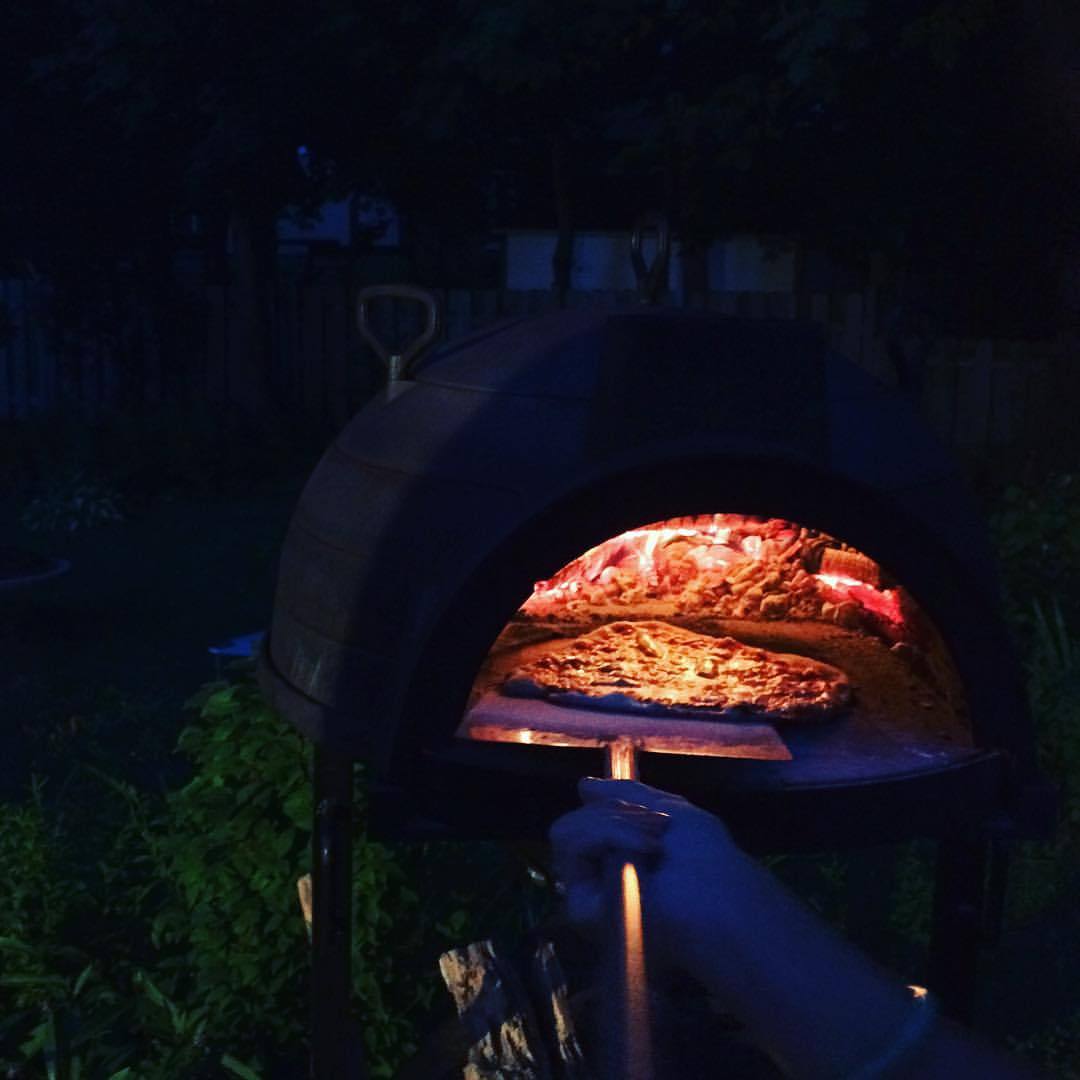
{"x": 899, "y": 722}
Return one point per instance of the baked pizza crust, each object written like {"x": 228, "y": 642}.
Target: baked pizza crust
{"x": 656, "y": 668}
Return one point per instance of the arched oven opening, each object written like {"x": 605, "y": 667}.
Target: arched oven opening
{"x": 776, "y": 628}
{"x": 934, "y": 730}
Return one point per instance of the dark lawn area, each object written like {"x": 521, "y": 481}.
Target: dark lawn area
{"x": 120, "y": 641}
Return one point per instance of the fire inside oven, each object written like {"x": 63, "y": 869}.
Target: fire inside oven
{"x": 753, "y": 627}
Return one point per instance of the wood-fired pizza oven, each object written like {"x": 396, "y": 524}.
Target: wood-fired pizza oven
{"x": 511, "y": 453}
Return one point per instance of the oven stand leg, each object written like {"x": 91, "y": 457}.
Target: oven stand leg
{"x": 331, "y": 925}
{"x": 958, "y": 923}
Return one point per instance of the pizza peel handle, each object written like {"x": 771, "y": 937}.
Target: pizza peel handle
{"x": 627, "y": 1048}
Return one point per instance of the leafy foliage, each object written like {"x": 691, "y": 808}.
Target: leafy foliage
{"x": 33, "y": 895}
{"x": 73, "y": 996}
{"x": 779, "y": 107}
{"x": 156, "y": 937}
{"x": 238, "y": 838}
{"x": 231, "y": 848}
{"x": 1056, "y": 1048}
{"x": 1037, "y": 530}
{"x": 74, "y": 502}
{"x": 911, "y": 914}
{"x": 1047, "y": 873}
{"x": 164, "y": 935}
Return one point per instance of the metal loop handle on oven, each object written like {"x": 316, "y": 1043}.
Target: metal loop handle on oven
{"x": 651, "y": 279}
{"x": 398, "y": 363}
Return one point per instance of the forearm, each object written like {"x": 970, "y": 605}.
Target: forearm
{"x": 819, "y": 1007}
{"x": 806, "y": 997}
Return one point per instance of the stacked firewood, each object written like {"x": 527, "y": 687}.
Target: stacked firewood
{"x": 516, "y": 1028}
{"x": 724, "y": 566}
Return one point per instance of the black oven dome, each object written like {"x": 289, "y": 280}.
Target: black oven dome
{"x": 513, "y": 450}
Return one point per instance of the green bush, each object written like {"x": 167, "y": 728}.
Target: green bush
{"x": 911, "y": 917}
{"x": 235, "y": 840}
{"x": 1047, "y": 873}
{"x": 163, "y": 935}
{"x": 1037, "y": 533}
{"x": 34, "y": 897}
{"x": 1036, "y": 530}
{"x": 74, "y": 501}
{"x": 1055, "y": 1048}
{"x": 73, "y": 999}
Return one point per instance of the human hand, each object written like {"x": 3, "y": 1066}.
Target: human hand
{"x": 694, "y": 880}
{"x": 711, "y": 911}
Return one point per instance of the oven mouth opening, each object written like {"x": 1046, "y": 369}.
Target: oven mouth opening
{"x": 773, "y": 640}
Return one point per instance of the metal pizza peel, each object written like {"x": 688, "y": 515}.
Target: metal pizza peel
{"x": 535, "y": 722}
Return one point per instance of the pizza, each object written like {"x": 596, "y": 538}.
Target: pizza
{"x": 657, "y": 668}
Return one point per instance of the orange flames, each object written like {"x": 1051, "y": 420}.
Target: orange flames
{"x": 884, "y": 603}
{"x": 727, "y": 565}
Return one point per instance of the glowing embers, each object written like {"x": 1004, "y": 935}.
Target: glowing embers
{"x": 885, "y": 604}
{"x": 723, "y": 566}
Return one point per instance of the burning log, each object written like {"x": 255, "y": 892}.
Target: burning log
{"x": 851, "y": 564}
{"x": 724, "y": 566}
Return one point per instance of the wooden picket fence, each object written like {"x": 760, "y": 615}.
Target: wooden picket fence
{"x": 979, "y": 395}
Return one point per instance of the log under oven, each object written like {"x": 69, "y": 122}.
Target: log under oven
{"x": 547, "y": 476}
